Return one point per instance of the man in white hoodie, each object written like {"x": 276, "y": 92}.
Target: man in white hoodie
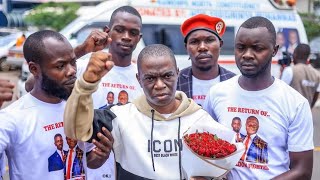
{"x": 146, "y": 134}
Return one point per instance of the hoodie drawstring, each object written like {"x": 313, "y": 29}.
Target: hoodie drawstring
{"x": 151, "y": 144}
{"x": 179, "y": 145}
{"x": 152, "y": 126}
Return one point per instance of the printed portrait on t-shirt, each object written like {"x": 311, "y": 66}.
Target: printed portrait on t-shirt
{"x": 74, "y": 161}
{"x": 256, "y": 149}
{"x": 236, "y": 126}
{"x": 57, "y": 160}
{"x": 67, "y": 159}
{"x": 110, "y": 98}
{"x": 123, "y": 97}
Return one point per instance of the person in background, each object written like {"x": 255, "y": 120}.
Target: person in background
{"x": 124, "y": 29}
{"x": 20, "y": 40}
{"x": 302, "y": 76}
{"x": 285, "y": 119}
{"x": 203, "y": 41}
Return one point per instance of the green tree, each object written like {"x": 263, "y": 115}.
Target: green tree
{"x": 311, "y": 23}
{"x": 52, "y": 15}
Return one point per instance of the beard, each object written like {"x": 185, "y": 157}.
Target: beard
{"x": 261, "y": 71}
{"x": 53, "y": 88}
{"x": 205, "y": 69}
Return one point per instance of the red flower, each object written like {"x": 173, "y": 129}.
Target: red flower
{"x": 209, "y": 145}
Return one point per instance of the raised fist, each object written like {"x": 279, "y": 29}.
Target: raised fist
{"x": 6, "y": 91}
{"x": 100, "y": 63}
{"x": 96, "y": 41}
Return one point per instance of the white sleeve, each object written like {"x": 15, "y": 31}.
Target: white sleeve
{"x": 82, "y": 64}
{"x": 8, "y": 130}
{"x": 207, "y": 105}
{"x": 300, "y": 131}
{"x": 318, "y": 89}
{"x": 287, "y": 75}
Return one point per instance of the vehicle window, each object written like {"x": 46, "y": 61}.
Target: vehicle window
{"x": 170, "y": 35}
{"x": 83, "y": 33}
{"x": 228, "y": 42}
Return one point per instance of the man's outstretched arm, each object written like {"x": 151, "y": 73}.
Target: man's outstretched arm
{"x": 78, "y": 115}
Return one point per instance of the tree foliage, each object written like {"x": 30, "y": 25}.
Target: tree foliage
{"x": 52, "y": 15}
{"x": 311, "y": 23}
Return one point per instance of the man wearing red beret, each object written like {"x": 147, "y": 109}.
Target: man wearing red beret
{"x": 202, "y": 38}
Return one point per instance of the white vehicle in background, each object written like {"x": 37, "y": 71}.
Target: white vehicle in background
{"x": 25, "y": 73}
{"x": 15, "y": 56}
{"x": 7, "y": 42}
{"x": 162, "y": 19}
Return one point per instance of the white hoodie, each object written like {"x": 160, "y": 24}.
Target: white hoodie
{"x": 133, "y": 130}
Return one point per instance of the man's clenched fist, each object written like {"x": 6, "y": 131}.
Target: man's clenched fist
{"x": 100, "y": 63}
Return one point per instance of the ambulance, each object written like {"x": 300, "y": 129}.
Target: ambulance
{"x": 162, "y": 19}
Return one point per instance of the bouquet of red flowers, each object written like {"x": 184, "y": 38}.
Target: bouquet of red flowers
{"x": 209, "y": 145}
{"x": 209, "y": 149}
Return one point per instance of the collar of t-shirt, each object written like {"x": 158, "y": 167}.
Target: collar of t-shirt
{"x": 200, "y": 88}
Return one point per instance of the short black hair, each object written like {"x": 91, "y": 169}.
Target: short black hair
{"x": 123, "y": 91}
{"x": 301, "y": 52}
{"x": 57, "y": 135}
{"x": 34, "y": 47}
{"x": 155, "y": 50}
{"x": 110, "y": 92}
{"x": 127, "y": 9}
{"x": 259, "y": 21}
{"x": 236, "y": 118}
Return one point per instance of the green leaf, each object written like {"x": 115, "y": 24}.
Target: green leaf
{"x": 52, "y": 15}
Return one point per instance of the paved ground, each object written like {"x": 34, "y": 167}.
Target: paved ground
{"x": 14, "y": 75}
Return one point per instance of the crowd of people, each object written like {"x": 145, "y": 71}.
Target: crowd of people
{"x": 72, "y": 97}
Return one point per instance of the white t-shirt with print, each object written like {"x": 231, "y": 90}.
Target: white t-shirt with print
{"x": 285, "y": 124}
{"x": 200, "y": 88}
{"x": 27, "y": 130}
{"x": 116, "y": 80}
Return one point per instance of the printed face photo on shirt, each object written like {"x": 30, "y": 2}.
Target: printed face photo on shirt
{"x": 110, "y": 97}
{"x": 236, "y": 124}
{"x": 58, "y": 141}
{"x": 252, "y": 125}
{"x": 56, "y": 161}
{"x": 123, "y": 97}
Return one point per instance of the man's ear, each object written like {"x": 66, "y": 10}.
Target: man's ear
{"x": 138, "y": 78}
{"x": 140, "y": 36}
{"x": 221, "y": 43}
{"x": 275, "y": 50}
{"x": 34, "y": 68}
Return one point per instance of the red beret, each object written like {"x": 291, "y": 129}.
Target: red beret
{"x": 203, "y": 22}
